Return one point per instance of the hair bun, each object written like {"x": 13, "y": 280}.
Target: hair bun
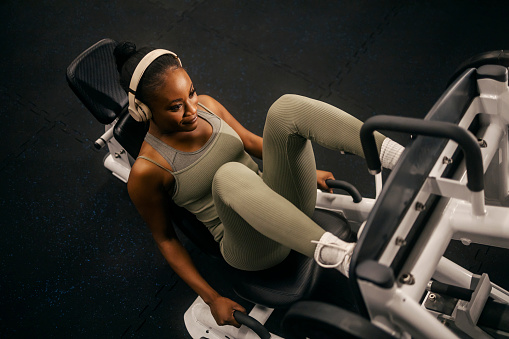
{"x": 123, "y": 51}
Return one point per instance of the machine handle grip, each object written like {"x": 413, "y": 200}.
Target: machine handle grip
{"x": 451, "y": 290}
{"x": 441, "y": 129}
{"x": 252, "y": 323}
{"x": 346, "y": 186}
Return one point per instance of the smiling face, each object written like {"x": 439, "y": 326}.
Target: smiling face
{"x": 174, "y": 104}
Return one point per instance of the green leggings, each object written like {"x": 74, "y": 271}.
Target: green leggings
{"x": 264, "y": 217}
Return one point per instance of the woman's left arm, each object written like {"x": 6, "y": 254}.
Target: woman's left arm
{"x": 253, "y": 144}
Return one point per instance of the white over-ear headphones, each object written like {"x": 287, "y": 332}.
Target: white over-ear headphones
{"x": 138, "y": 110}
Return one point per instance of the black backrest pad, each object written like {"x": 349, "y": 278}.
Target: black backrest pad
{"x": 406, "y": 180}
{"x": 93, "y": 77}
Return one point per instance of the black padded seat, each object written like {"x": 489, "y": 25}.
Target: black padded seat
{"x": 93, "y": 77}
{"x": 279, "y": 286}
{"x": 293, "y": 279}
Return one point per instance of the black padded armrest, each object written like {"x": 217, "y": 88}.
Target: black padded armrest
{"x": 375, "y": 273}
{"x": 130, "y": 133}
{"x": 493, "y": 72}
{"x": 500, "y": 57}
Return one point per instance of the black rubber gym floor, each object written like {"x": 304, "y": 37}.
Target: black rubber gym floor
{"x": 76, "y": 260}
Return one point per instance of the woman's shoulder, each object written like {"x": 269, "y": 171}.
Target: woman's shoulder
{"x": 149, "y": 173}
{"x": 211, "y": 104}
{"x": 207, "y": 100}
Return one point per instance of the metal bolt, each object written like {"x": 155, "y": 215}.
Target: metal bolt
{"x": 407, "y": 279}
{"x": 119, "y": 154}
{"x": 446, "y": 160}
{"x": 400, "y": 241}
{"x": 432, "y": 297}
{"x": 482, "y": 143}
{"x": 419, "y": 206}
{"x": 466, "y": 241}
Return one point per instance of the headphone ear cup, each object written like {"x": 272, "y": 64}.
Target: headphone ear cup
{"x": 143, "y": 111}
{"x": 134, "y": 113}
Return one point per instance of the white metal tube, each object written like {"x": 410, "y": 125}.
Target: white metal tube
{"x": 103, "y": 139}
{"x": 415, "y": 319}
{"x": 490, "y": 229}
{"x": 478, "y": 205}
{"x": 448, "y": 272}
{"x": 378, "y": 184}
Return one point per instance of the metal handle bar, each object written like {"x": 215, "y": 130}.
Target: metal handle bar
{"x": 103, "y": 140}
{"x": 346, "y": 186}
{"x": 463, "y": 137}
{"x": 252, "y": 323}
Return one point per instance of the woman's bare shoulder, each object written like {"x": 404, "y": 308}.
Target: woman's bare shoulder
{"x": 148, "y": 178}
{"x": 212, "y": 104}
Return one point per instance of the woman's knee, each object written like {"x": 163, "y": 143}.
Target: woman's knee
{"x": 284, "y": 104}
{"x": 232, "y": 176}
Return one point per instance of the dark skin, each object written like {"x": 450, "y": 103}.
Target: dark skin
{"x": 175, "y": 122}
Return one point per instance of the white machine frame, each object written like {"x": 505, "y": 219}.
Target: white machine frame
{"x": 463, "y": 216}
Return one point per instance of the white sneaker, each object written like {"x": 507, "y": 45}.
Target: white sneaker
{"x": 332, "y": 252}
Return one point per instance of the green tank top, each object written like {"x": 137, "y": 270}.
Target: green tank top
{"x": 193, "y": 184}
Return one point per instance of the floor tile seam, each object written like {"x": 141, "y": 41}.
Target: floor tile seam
{"x": 19, "y": 149}
{"x": 146, "y": 312}
{"x": 24, "y": 146}
{"x": 161, "y": 35}
{"x": 57, "y": 121}
{"x": 186, "y": 13}
{"x": 346, "y": 68}
{"x": 363, "y": 107}
{"x": 166, "y": 5}
{"x": 32, "y": 107}
{"x": 325, "y": 88}
{"x": 48, "y": 125}
{"x": 77, "y": 135}
{"x": 264, "y": 57}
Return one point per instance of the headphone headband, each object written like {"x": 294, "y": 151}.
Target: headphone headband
{"x": 137, "y": 109}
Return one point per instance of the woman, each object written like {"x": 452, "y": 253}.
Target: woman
{"x": 196, "y": 153}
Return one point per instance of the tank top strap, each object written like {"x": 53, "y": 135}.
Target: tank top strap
{"x": 205, "y": 108}
{"x": 155, "y": 163}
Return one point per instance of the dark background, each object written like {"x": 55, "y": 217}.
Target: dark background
{"x": 76, "y": 260}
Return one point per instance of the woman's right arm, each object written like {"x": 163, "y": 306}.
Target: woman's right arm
{"x": 152, "y": 202}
